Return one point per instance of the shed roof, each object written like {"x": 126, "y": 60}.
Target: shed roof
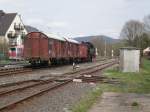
{"x": 146, "y": 50}
{"x": 129, "y": 48}
{"x": 5, "y": 21}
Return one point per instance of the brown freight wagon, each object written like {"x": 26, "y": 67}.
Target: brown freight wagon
{"x": 83, "y": 52}
{"x": 43, "y": 49}
{"x": 36, "y": 46}
{"x": 40, "y": 48}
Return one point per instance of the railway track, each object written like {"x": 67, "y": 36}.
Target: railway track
{"x": 9, "y": 71}
{"x": 10, "y": 98}
{"x": 13, "y": 70}
{"x": 28, "y": 93}
{"x": 9, "y": 86}
{"x": 93, "y": 69}
{"x": 16, "y": 84}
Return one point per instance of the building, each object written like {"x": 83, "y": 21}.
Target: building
{"x": 12, "y": 32}
{"x": 31, "y": 29}
{"x": 146, "y": 51}
{"x": 129, "y": 59}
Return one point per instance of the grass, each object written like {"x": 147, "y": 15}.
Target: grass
{"x": 4, "y": 61}
{"x": 135, "y": 104}
{"x": 84, "y": 104}
{"x": 128, "y": 83}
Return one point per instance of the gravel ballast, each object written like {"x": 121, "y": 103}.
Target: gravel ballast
{"x": 49, "y": 72}
{"x": 59, "y": 100}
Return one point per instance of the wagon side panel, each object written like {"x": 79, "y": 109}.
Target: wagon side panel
{"x": 43, "y": 47}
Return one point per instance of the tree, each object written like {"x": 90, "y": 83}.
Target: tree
{"x": 116, "y": 47}
{"x": 132, "y": 33}
{"x": 99, "y": 44}
{"x": 147, "y": 24}
{"x": 145, "y": 40}
{"x": 3, "y": 48}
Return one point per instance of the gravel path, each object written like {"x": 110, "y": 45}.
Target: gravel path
{"x": 58, "y": 100}
{"x": 122, "y": 102}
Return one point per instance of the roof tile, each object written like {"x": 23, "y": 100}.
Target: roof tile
{"x": 5, "y": 21}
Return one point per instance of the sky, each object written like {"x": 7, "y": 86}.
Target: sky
{"x": 75, "y": 18}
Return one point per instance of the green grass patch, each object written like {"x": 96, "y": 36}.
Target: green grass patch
{"x": 135, "y": 104}
{"x": 4, "y": 61}
{"x": 128, "y": 83}
{"x": 88, "y": 101}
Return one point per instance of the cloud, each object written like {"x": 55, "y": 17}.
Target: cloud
{"x": 57, "y": 24}
{"x": 136, "y": 1}
{"x": 78, "y": 17}
{"x": 5, "y": 1}
{"x": 10, "y": 1}
{"x": 35, "y": 21}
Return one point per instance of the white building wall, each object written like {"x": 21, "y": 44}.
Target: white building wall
{"x": 1, "y": 39}
{"x": 18, "y": 40}
{"x": 129, "y": 60}
{"x": 16, "y": 20}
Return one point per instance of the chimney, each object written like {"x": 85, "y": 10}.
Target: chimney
{"x": 2, "y": 13}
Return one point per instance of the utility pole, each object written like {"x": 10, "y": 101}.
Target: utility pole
{"x": 105, "y": 49}
{"x": 3, "y": 55}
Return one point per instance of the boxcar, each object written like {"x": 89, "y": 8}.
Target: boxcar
{"x": 83, "y": 52}
{"x": 52, "y": 49}
{"x": 40, "y": 48}
{"x": 36, "y": 47}
{"x": 72, "y": 49}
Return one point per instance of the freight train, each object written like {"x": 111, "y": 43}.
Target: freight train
{"x": 42, "y": 49}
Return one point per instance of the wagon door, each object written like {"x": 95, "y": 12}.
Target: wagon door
{"x": 83, "y": 51}
{"x": 31, "y": 45}
{"x": 35, "y": 47}
{"x": 43, "y": 48}
{"x": 27, "y": 48}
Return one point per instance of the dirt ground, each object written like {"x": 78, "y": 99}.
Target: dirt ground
{"x": 122, "y": 102}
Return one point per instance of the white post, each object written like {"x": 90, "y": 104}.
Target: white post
{"x": 112, "y": 53}
{"x": 96, "y": 52}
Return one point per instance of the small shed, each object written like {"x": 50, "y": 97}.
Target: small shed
{"x": 129, "y": 59}
{"x": 146, "y": 51}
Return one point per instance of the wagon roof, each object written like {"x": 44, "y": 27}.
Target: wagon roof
{"x": 72, "y": 40}
{"x": 54, "y": 36}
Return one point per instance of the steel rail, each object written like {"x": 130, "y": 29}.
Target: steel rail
{"x": 12, "y": 105}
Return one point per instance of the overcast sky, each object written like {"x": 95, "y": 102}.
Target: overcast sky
{"x": 78, "y": 17}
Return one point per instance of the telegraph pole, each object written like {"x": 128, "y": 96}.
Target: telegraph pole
{"x": 105, "y": 49}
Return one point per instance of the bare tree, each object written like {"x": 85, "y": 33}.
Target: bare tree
{"x": 132, "y": 32}
{"x": 102, "y": 46}
{"x": 99, "y": 44}
{"x": 147, "y": 24}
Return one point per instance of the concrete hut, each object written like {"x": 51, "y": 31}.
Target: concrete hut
{"x": 129, "y": 59}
